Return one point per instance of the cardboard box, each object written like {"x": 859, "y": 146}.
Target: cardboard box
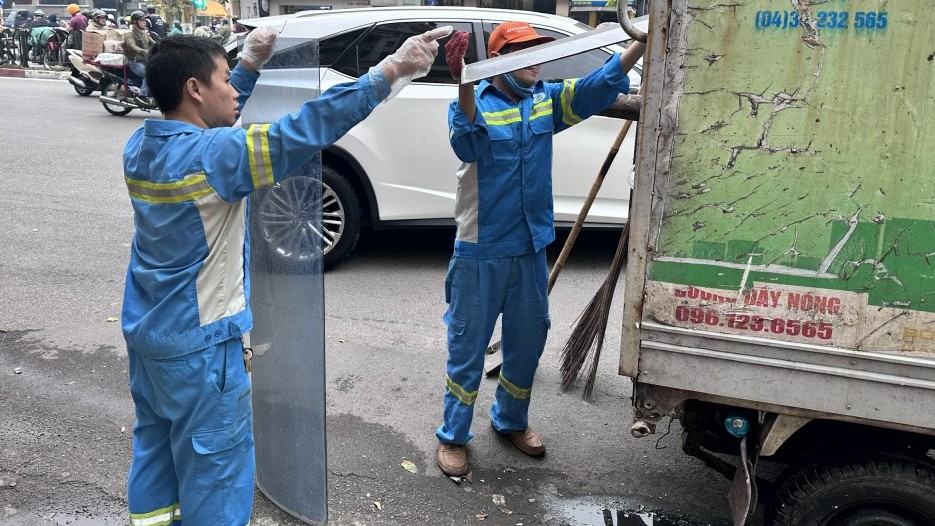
{"x": 91, "y": 44}
{"x": 116, "y": 34}
{"x": 113, "y": 46}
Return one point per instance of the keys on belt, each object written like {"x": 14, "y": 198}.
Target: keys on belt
{"x": 247, "y": 356}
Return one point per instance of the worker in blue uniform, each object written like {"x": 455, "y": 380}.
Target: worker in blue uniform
{"x": 502, "y": 131}
{"x": 186, "y": 302}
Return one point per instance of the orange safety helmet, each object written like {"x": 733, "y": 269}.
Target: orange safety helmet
{"x": 72, "y": 9}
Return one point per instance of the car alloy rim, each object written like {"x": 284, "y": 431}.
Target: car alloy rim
{"x": 287, "y": 219}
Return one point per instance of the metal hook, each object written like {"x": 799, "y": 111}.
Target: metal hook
{"x": 627, "y": 25}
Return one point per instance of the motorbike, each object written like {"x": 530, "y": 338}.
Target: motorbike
{"x": 120, "y": 91}
{"x": 85, "y": 77}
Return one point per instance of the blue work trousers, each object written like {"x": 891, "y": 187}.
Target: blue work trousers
{"x": 478, "y": 291}
{"x": 139, "y": 69}
{"x": 193, "y": 455}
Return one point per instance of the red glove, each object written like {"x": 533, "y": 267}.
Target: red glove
{"x": 454, "y": 52}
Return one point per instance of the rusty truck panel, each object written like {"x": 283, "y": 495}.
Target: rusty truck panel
{"x": 782, "y": 247}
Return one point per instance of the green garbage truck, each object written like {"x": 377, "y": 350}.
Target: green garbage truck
{"x": 780, "y": 283}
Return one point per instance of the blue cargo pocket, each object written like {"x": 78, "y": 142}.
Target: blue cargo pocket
{"x": 456, "y": 326}
{"x": 220, "y": 454}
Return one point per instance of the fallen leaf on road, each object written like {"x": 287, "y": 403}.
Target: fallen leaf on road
{"x": 113, "y": 318}
{"x": 378, "y": 505}
{"x": 409, "y": 466}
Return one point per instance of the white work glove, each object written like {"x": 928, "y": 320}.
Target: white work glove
{"x": 412, "y": 60}
{"x": 259, "y": 46}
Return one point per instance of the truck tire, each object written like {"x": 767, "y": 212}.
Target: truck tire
{"x": 879, "y": 490}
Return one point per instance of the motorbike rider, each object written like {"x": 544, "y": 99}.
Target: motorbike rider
{"x": 98, "y": 21}
{"x": 38, "y": 20}
{"x": 39, "y": 31}
{"x": 136, "y": 44}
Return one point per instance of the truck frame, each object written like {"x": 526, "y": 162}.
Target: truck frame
{"x": 782, "y": 252}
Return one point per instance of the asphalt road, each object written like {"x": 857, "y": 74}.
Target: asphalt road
{"x": 66, "y": 414}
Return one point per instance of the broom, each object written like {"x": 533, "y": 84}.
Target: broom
{"x": 583, "y": 347}
{"x": 559, "y": 264}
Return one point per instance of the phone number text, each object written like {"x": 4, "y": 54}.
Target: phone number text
{"x": 808, "y": 329}
{"x": 828, "y": 20}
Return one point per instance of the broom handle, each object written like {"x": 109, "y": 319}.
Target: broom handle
{"x": 586, "y": 207}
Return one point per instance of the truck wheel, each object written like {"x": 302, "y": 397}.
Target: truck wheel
{"x": 880, "y": 490}
{"x": 286, "y": 221}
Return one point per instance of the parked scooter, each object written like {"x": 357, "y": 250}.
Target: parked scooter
{"x": 85, "y": 77}
{"x": 120, "y": 93}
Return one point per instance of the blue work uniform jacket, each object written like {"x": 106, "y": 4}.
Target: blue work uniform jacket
{"x": 503, "y": 206}
{"x": 187, "y": 286}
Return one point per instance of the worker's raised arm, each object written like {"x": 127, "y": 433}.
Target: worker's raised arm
{"x": 412, "y": 60}
{"x": 631, "y": 56}
{"x": 455, "y": 50}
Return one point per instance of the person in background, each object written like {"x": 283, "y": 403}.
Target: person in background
{"x": 502, "y": 132}
{"x": 53, "y": 20}
{"x": 187, "y": 294}
{"x": 201, "y": 30}
{"x": 98, "y": 21}
{"x": 111, "y": 21}
{"x": 176, "y": 28}
{"x": 38, "y": 20}
{"x": 136, "y": 44}
{"x": 78, "y": 21}
{"x": 238, "y": 27}
{"x": 155, "y": 23}
{"x": 225, "y": 31}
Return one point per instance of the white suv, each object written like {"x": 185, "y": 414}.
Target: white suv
{"x": 396, "y": 168}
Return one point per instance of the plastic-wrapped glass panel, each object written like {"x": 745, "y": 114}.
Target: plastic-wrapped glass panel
{"x": 288, "y": 304}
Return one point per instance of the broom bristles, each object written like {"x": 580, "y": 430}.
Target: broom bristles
{"x": 583, "y": 348}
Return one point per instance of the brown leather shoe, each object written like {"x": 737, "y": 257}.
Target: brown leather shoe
{"x": 452, "y": 459}
{"x": 527, "y": 441}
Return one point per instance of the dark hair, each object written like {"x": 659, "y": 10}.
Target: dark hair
{"x": 173, "y": 60}
{"x": 150, "y": 9}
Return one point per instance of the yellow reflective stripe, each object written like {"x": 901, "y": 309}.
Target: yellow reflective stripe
{"x": 191, "y": 187}
{"x": 465, "y": 397}
{"x": 568, "y": 94}
{"x": 261, "y": 166}
{"x": 501, "y": 118}
{"x": 516, "y": 392}
{"x": 160, "y": 517}
{"x": 542, "y": 109}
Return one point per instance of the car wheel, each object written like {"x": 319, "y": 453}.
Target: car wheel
{"x": 287, "y": 223}
{"x": 878, "y": 490}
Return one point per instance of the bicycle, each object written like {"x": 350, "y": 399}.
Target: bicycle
{"x": 8, "y": 48}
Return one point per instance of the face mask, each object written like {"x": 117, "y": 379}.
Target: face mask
{"x": 519, "y": 89}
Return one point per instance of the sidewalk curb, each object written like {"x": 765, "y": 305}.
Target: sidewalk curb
{"x": 33, "y": 73}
